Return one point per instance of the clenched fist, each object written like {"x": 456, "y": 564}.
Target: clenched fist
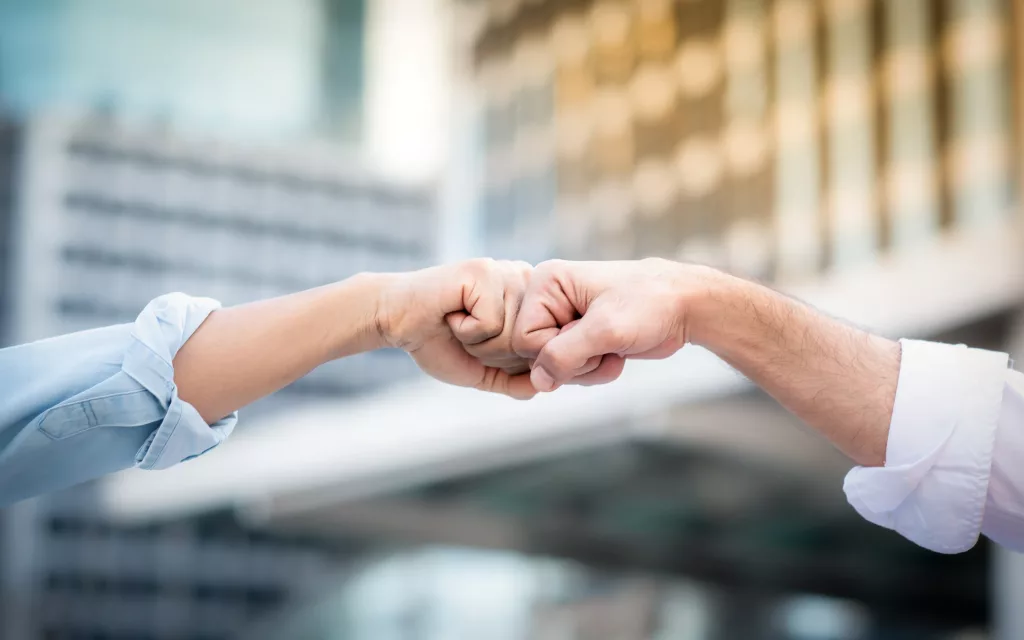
{"x": 581, "y": 320}
{"x": 456, "y": 322}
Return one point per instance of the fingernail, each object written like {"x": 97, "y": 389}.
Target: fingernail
{"x": 541, "y": 379}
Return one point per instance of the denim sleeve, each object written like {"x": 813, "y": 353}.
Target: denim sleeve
{"x": 79, "y": 406}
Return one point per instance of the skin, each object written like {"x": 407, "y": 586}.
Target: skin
{"x": 455, "y": 321}
{"x": 838, "y": 379}
{"x": 486, "y": 324}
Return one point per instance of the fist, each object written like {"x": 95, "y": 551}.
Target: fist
{"x": 581, "y": 320}
{"x": 456, "y": 322}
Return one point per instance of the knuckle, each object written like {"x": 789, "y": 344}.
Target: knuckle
{"x": 609, "y": 333}
{"x": 518, "y": 278}
{"x": 485, "y": 265}
{"x": 471, "y": 337}
{"x": 493, "y": 325}
{"x": 549, "y": 267}
{"x": 478, "y": 267}
{"x": 527, "y": 344}
{"x": 520, "y": 343}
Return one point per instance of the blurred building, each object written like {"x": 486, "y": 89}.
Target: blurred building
{"x": 211, "y": 148}
{"x": 776, "y": 138}
{"x": 865, "y": 149}
{"x": 8, "y": 177}
{"x": 108, "y": 219}
{"x": 638, "y": 539}
{"x": 861, "y": 155}
{"x": 276, "y": 70}
{"x": 99, "y": 218}
{"x": 68, "y": 573}
{"x": 792, "y": 141}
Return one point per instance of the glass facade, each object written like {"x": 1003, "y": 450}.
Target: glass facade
{"x": 269, "y": 69}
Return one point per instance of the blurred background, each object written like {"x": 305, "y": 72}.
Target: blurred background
{"x": 860, "y": 154}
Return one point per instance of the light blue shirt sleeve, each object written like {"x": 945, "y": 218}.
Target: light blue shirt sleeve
{"x": 79, "y": 406}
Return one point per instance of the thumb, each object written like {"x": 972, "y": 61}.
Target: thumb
{"x": 562, "y": 358}
{"x": 471, "y": 330}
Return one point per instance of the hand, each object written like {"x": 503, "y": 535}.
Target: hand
{"x": 456, "y": 322}
{"x": 580, "y": 320}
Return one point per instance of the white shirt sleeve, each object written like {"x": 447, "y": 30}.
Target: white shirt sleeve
{"x": 955, "y": 456}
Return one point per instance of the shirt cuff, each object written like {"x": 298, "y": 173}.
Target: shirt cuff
{"x": 159, "y": 332}
{"x": 933, "y": 486}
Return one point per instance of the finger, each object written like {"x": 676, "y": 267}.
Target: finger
{"x": 609, "y": 370}
{"x": 467, "y": 329}
{"x": 520, "y": 387}
{"x": 483, "y": 298}
{"x": 569, "y": 351}
{"x": 471, "y": 329}
{"x": 499, "y": 347}
{"x": 546, "y": 306}
{"x": 509, "y": 281}
{"x": 510, "y": 365}
{"x": 447, "y": 361}
{"x": 535, "y": 327}
{"x": 500, "y": 360}
{"x": 517, "y": 369}
{"x": 514, "y": 386}
{"x": 591, "y": 365}
{"x": 490, "y": 350}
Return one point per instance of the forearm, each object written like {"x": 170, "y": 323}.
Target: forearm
{"x": 243, "y": 353}
{"x": 838, "y": 379}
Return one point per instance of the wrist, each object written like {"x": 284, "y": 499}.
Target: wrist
{"x": 362, "y": 297}
{"x": 391, "y": 296}
{"x": 708, "y": 302}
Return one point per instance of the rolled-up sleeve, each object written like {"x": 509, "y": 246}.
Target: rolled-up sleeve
{"x": 941, "y": 456}
{"x": 76, "y": 407}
